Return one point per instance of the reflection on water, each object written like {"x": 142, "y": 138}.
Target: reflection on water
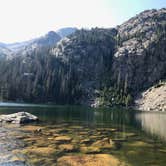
{"x": 77, "y": 114}
{"x": 10, "y": 104}
{"x": 153, "y": 123}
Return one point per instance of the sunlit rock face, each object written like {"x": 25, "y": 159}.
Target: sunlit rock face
{"x": 153, "y": 123}
{"x": 153, "y": 99}
{"x": 140, "y": 58}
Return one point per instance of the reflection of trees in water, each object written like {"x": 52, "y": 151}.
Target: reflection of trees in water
{"x": 117, "y": 117}
{"x": 153, "y": 123}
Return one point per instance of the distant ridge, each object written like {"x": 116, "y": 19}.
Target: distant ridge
{"x": 63, "y": 32}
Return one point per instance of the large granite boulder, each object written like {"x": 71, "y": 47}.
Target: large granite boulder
{"x": 18, "y": 118}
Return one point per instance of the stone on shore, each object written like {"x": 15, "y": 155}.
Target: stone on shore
{"x": 18, "y": 118}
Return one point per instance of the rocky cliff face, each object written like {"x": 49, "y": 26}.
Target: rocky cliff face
{"x": 90, "y": 63}
{"x": 88, "y": 55}
{"x": 140, "y": 58}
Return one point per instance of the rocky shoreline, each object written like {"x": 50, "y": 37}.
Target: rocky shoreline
{"x": 153, "y": 99}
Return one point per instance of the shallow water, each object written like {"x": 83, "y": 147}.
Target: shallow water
{"x": 136, "y": 138}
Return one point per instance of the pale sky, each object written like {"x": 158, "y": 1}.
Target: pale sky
{"x": 26, "y": 19}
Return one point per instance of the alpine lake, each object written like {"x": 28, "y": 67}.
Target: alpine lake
{"x": 78, "y": 136}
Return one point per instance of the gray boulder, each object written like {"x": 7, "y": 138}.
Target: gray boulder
{"x": 18, "y": 118}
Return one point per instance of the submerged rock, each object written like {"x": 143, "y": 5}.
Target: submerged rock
{"x": 90, "y": 149}
{"x": 90, "y": 160}
{"x": 11, "y": 159}
{"x": 39, "y": 151}
{"x": 63, "y": 139}
{"x": 104, "y": 143}
{"x": 67, "y": 148}
{"x": 18, "y": 118}
{"x": 13, "y": 163}
{"x": 31, "y": 128}
{"x": 86, "y": 141}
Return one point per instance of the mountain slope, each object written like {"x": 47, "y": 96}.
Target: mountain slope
{"x": 140, "y": 57}
{"x": 27, "y": 47}
{"x": 95, "y": 67}
{"x": 5, "y": 53}
{"x": 61, "y": 74}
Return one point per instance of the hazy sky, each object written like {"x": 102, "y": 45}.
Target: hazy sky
{"x": 26, "y": 19}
